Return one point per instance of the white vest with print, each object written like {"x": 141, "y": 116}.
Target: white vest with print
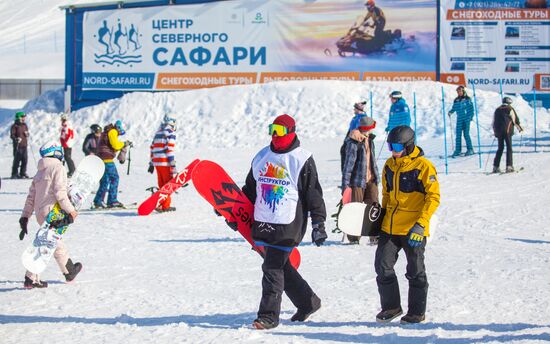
{"x": 276, "y": 178}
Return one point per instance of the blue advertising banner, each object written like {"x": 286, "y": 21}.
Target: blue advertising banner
{"x": 496, "y": 43}
{"x": 242, "y": 42}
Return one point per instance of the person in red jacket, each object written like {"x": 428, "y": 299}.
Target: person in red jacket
{"x": 67, "y": 142}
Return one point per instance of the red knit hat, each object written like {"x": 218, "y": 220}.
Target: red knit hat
{"x": 286, "y": 121}
{"x": 281, "y": 143}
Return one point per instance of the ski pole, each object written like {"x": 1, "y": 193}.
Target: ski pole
{"x": 129, "y": 159}
{"x": 32, "y": 153}
{"x": 489, "y": 155}
{"x": 382, "y": 147}
{"x": 520, "y": 144}
{"x": 452, "y": 139}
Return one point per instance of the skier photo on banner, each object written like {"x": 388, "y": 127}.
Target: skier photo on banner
{"x": 48, "y": 187}
{"x": 19, "y": 135}
{"x": 109, "y": 146}
{"x": 360, "y": 173}
{"x": 284, "y": 187}
{"x": 163, "y": 156}
{"x": 504, "y": 121}
{"x": 410, "y": 196}
{"x": 463, "y": 107}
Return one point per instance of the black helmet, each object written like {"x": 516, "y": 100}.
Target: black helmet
{"x": 404, "y": 135}
{"x": 95, "y": 128}
{"x": 396, "y": 95}
{"x": 507, "y": 100}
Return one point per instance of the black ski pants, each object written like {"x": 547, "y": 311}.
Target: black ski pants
{"x": 279, "y": 276}
{"x": 67, "y": 152}
{"x": 388, "y": 287}
{"x": 19, "y": 161}
{"x": 501, "y": 141}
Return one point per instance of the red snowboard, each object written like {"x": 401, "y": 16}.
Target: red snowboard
{"x": 175, "y": 183}
{"x": 218, "y": 189}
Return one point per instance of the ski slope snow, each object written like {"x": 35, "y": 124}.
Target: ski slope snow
{"x": 186, "y": 277}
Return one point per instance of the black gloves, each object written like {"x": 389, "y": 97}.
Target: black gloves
{"x": 23, "y": 224}
{"x": 232, "y": 225}
{"x": 151, "y": 168}
{"x": 318, "y": 234}
{"x": 65, "y": 221}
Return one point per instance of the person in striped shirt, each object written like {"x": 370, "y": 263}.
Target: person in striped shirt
{"x": 163, "y": 156}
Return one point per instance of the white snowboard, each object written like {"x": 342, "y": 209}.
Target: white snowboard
{"x": 358, "y": 218}
{"x": 35, "y": 257}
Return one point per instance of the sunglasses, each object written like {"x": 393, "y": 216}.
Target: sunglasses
{"x": 396, "y": 147}
{"x": 279, "y": 130}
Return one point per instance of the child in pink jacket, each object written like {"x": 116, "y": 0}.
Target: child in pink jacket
{"x": 49, "y": 186}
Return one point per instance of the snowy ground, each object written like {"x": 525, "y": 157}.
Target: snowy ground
{"x": 185, "y": 277}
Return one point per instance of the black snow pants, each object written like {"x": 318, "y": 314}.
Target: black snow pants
{"x": 19, "y": 159}
{"x": 67, "y": 152}
{"x": 279, "y": 276}
{"x": 388, "y": 287}
{"x": 509, "y": 160}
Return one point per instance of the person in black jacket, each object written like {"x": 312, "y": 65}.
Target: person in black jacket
{"x": 19, "y": 134}
{"x": 283, "y": 186}
{"x": 504, "y": 121}
{"x": 92, "y": 140}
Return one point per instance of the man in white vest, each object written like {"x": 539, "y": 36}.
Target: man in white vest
{"x": 284, "y": 187}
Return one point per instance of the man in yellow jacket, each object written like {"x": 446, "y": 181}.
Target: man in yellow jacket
{"x": 108, "y": 147}
{"x": 410, "y": 196}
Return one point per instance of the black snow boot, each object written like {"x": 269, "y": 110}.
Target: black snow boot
{"x": 165, "y": 210}
{"x": 29, "y": 284}
{"x": 73, "y": 269}
{"x": 388, "y": 315}
{"x": 264, "y": 324}
{"x": 413, "y": 319}
{"x": 302, "y": 315}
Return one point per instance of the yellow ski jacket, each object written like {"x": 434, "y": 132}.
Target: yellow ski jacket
{"x": 410, "y": 193}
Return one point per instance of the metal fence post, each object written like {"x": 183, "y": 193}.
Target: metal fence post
{"x": 414, "y": 111}
{"x": 444, "y": 128}
{"x": 535, "y": 115}
{"x": 371, "y": 113}
{"x": 477, "y": 123}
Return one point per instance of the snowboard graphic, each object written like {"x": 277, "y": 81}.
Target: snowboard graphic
{"x": 360, "y": 219}
{"x": 35, "y": 258}
{"x": 175, "y": 183}
{"x": 218, "y": 189}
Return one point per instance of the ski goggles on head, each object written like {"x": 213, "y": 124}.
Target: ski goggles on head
{"x": 367, "y": 127}
{"x": 279, "y": 130}
{"x": 396, "y": 147}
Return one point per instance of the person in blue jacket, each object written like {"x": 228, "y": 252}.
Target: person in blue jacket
{"x": 464, "y": 109}
{"x": 399, "y": 112}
